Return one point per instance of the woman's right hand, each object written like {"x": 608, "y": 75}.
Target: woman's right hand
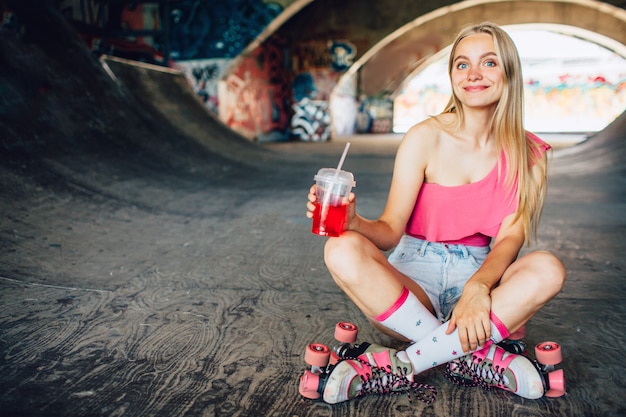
{"x": 310, "y": 204}
{"x": 351, "y": 215}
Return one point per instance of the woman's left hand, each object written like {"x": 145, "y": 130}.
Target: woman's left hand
{"x": 471, "y": 317}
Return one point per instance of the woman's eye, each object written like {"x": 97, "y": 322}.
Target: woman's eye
{"x": 462, "y": 65}
{"x": 490, "y": 63}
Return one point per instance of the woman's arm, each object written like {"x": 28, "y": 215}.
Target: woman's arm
{"x": 472, "y": 313}
{"x": 408, "y": 176}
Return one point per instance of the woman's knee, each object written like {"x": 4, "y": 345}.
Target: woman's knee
{"x": 339, "y": 252}
{"x": 350, "y": 258}
{"x": 549, "y": 270}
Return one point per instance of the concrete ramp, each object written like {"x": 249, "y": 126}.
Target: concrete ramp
{"x": 166, "y": 94}
{"x": 153, "y": 263}
{"x": 602, "y": 154}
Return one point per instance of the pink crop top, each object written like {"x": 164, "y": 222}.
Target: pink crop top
{"x": 469, "y": 214}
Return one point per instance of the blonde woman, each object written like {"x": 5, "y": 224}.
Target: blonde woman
{"x": 467, "y": 192}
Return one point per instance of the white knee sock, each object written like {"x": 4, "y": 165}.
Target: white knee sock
{"x": 438, "y": 347}
{"x": 409, "y": 317}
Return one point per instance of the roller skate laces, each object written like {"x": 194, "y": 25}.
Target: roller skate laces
{"x": 368, "y": 369}
{"x": 494, "y": 367}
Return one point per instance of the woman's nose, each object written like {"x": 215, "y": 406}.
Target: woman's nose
{"x": 474, "y": 74}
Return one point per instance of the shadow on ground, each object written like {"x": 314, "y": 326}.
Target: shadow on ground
{"x": 153, "y": 262}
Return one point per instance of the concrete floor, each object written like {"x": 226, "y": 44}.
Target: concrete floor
{"x": 152, "y": 263}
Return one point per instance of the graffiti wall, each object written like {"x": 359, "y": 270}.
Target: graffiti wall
{"x": 90, "y": 12}
{"x": 254, "y": 99}
{"x": 311, "y": 120}
{"x": 311, "y": 92}
{"x": 280, "y": 91}
{"x": 100, "y": 25}
{"x": 318, "y": 66}
{"x": 203, "y": 75}
{"x": 199, "y": 29}
{"x": 581, "y": 104}
{"x": 218, "y": 28}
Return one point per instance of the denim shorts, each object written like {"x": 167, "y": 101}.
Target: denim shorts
{"x": 440, "y": 269}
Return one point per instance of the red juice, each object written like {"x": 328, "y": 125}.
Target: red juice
{"x": 329, "y": 220}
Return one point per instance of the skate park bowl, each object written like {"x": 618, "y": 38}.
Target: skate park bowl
{"x": 154, "y": 262}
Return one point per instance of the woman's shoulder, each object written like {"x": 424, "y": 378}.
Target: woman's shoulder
{"x": 419, "y": 143}
{"x": 427, "y": 132}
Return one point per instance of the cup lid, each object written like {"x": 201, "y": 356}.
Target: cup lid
{"x": 333, "y": 175}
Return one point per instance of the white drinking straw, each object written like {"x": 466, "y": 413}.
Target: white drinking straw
{"x": 343, "y": 158}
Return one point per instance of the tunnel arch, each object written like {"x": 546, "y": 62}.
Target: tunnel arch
{"x": 385, "y": 67}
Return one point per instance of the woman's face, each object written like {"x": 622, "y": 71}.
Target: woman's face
{"x": 477, "y": 75}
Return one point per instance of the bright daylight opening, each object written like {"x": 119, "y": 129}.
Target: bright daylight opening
{"x": 573, "y": 87}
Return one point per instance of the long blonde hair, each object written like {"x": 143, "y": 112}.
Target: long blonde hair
{"x": 521, "y": 152}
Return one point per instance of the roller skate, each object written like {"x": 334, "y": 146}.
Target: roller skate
{"x": 549, "y": 355}
{"x": 349, "y": 371}
{"x": 494, "y": 367}
{"x": 514, "y": 343}
{"x": 322, "y": 359}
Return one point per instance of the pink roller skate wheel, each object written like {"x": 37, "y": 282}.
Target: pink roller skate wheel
{"x": 308, "y": 385}
{"x": 346, "y": 332}
{"x": 556, "y": 381}
{"x": 317, "y": 354}
{"x": 548, "y": 353}
{"x": 334, "y": 358}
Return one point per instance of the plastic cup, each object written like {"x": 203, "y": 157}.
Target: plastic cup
{"x": 331, "y": 208}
